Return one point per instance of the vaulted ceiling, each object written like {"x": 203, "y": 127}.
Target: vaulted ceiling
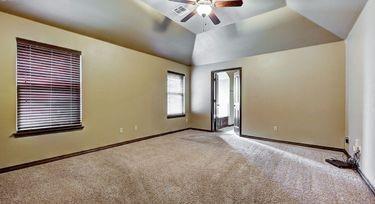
{"x": 151, "y": 26}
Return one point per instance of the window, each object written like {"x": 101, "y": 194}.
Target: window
{"x": 176, "y": 95}
{"x": 48, "y": 88}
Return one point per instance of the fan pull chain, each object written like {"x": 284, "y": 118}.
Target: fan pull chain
{"x": 204, "y": 24}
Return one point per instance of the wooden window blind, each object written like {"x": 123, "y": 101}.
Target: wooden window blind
{"x": 48, "y": 87}
{"x": 176, "y": 95}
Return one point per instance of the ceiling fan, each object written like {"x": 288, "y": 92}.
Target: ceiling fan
{"x": 204, "y": 8}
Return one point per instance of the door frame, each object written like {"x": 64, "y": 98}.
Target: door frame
{"x": 212, "y": 96}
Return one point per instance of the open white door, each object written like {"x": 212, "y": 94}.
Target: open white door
{"x": 237, "y": 103}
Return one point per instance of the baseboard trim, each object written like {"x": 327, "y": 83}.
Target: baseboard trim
{"x": 295, "y": 143}
{"x": 366, "y": 181}
{"x": 61, "y": 157}
{"x": 363, "y": 177}
{"x": 198, "y": 129}
{"x": 74, "y": 154}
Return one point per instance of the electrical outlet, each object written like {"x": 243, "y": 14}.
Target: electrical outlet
{"x": 186, "y": 120}
{"x": 135, "y": 127}
{"x": 121, "y": 130}
{"x": 275, "y": 128}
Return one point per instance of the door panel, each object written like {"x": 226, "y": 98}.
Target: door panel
{"x": 215, "y": 88}
{"x": 237, "y": 103}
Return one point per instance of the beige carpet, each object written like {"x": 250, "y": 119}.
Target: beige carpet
{"x": 189, "y": 167}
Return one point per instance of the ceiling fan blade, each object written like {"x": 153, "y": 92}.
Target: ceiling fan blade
{"x": 185, "y": 1}
{"x": 189, "y": 16}
{"x": 214, "y": 18}
{"x": 235, "y": 3}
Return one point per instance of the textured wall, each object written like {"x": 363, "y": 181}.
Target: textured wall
{"x": 121, "y": 88}
{"x": 302, "y": 91}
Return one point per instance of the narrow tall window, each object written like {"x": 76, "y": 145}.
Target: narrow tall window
{"x": 48, "y": 88}
{"x": 176, "y": 94}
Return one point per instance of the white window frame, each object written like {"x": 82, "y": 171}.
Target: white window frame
{"x": 183, "y": 96}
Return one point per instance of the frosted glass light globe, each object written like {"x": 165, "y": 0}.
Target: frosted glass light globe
{"x": 204, "y": 10}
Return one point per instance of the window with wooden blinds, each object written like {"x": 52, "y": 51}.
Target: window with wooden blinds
{"x": 48, "y": 88}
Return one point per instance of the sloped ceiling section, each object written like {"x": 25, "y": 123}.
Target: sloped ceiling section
{"x": 276, "y": 30}
{"x": 129, "y": 23}
{"x": 337, "y": 16}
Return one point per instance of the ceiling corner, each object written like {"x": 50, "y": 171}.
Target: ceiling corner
{"x": 337, "y": 16}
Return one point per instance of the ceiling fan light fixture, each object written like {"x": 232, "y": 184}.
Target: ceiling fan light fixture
{"x": 204, "y": 10}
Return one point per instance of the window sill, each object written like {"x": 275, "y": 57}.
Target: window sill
{"x": 27, "y": 133}
{"x": 175, "y": 116}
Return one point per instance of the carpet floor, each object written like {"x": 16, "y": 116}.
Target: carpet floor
{"x": 190, "y": 167}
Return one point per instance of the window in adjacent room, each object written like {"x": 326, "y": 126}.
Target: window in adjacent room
{"x": 48, "y": 88}
{"x": 176, "y": 95}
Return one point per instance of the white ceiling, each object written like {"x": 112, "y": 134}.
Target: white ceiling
{"x": 337, "y": 16}
{"x": 227, "y": 16}
{"x": 151, "y": 26}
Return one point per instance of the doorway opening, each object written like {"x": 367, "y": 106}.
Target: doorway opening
{"x": 226, "y": 101}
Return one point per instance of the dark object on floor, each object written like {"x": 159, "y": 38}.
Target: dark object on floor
{"x": 350, "y": 163}
{"x": 340, "y": 164}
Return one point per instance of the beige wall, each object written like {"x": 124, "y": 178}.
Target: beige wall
{"x": 361, "y": 89}
{"x": 121, "y": 88}
{"x": 302, "y": 91}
